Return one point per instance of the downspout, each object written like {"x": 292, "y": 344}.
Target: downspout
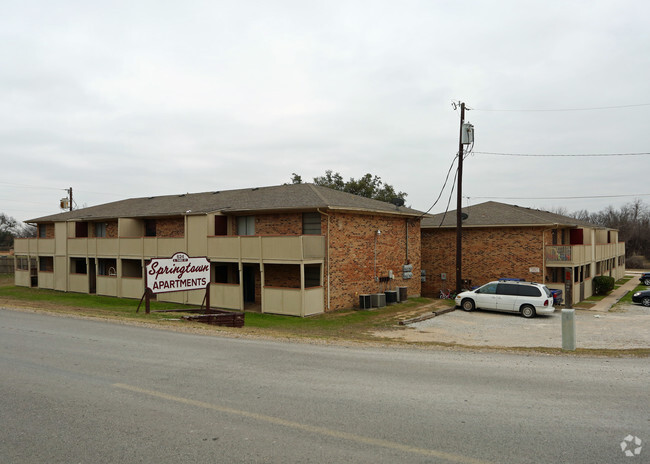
{"x": 328, "y": 256}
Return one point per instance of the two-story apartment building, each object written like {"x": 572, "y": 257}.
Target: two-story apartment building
{"x": 507, "y": 241}
{"x": 296, "y": 249}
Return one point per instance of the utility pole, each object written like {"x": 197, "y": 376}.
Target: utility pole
{"x": 66, "y": 203}
{"x": 459, "y": 203}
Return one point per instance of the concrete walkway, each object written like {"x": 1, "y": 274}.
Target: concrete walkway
{"x": 610, "y": 300}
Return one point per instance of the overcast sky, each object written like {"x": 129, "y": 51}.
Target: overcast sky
{"x": 133, "y": 98}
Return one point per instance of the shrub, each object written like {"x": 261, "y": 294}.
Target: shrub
{"x": 603, "y": 285}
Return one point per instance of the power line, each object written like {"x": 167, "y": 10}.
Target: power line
{"x": 40, "y": 187}
{"x": 563, "y": 109}
{"x": 443, "y": 185}
{"x": 572, "y": 155}
{"x": 562, "y": 198}
{"x": 31, "y": 186}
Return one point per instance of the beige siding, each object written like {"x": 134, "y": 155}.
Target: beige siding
{"x": 22, "y": 278}
{"x": 282, "y": 301}
{"x": 228, "y": 296}
{"x": 79, "y": 283}
{"x": 132, "y": 287}
{"x": 197, "y": 235}
{"x": 107, "y": 285}
{"x": 46, "y": 280}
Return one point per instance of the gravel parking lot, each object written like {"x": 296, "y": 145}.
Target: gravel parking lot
{"x": 625, "y": 327}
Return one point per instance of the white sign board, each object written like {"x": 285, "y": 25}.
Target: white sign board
{"x": 178, "y": 273}
{"x": 533, "y": 270}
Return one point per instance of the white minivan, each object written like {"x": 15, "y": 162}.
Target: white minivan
{"x": 527, "y": 298}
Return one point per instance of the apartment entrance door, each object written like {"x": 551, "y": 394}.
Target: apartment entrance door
{"x": 92, "y": 276}
{"x": 249, "y": 283}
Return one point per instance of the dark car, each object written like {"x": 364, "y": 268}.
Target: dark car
{"x": 642, "y": 297}
{"x": 645, "y": 279}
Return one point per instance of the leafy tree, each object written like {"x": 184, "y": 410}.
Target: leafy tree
{"x": 295, "y": 178}
{"x": 10, "y": 229}
{"x": 632, "y": 221}
{"x": 366, "y": 186}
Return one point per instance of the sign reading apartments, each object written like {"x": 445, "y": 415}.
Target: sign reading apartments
{"x": 178, "y": 273}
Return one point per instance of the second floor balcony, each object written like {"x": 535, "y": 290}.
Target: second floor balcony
{"x": 294, "y": 248}
{"x": 576, "y": 255}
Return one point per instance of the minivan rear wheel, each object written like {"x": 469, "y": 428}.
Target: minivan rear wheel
{"x": 527, "y": 311}
{"x": 467, "y": 305}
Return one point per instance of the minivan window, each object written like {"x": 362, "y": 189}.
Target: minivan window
{"x": 489, "y": 288}
{"x": 529, "y": 290}
{"x": 508, "y": 289}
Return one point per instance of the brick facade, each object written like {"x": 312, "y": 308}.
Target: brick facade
{"x": 49, "y": 230}
{"x": 275, "y": 224}
{"x": 353, "y": 242}
{"x": 278, "y": 224}
{"x": 488, "y": 254}
{"x": 282, "y": 275}
{"x": 111, "y": 229}
{"x": 170, "y": 227}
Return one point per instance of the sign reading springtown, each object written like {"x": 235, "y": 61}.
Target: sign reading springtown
{"x": 178, "y": 273}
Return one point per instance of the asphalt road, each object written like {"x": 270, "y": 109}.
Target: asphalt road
{"x": 84, "y": 391}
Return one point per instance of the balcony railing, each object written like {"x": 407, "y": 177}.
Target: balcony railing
{"x": 293, "y": 302}
{"x": 34, "y": 246}
{"x": 280, "y": 248}
{"x": 294, "y": 248}
{"x": 575, "y": 255}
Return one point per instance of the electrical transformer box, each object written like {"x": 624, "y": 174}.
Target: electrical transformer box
{"x": 467, "y": 136}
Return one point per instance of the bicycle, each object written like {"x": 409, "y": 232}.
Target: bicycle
{"x": 447, "y": 296}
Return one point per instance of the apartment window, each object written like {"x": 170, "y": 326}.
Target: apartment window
{"x": 42, "y": 231}
{"x": 22, "y": 263}
{"x": 100, "y": 229}
{"x": 81, "y": 230}
{"x": 78, "y": 266}
{"x": 46, "y": 264}
{"x": 246, "y": 225}
{"x": 132, "y": 268}
{"x": 106, "y": 267}
{"x": 225, "y": 273}
{"x": 150, "y": 228}
{"x": 311, "y": 224}
{"x": 587, "y": 271}
{"x": 553, "y": 236}
{"x": 221, "y": 225}
{"x": 312, "y": 275}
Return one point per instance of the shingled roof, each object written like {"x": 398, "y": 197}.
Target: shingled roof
{"x": 495, "y": 214}
{"x": 291, "y": 197}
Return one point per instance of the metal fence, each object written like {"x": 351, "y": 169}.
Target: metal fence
{"x": 6, "y": 264}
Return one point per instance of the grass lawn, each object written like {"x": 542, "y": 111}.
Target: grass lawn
{"x": 344, "y": 324}
{"x": 628, "y": 296}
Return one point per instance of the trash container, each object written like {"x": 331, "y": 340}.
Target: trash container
{"x": 402, "y": 293}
